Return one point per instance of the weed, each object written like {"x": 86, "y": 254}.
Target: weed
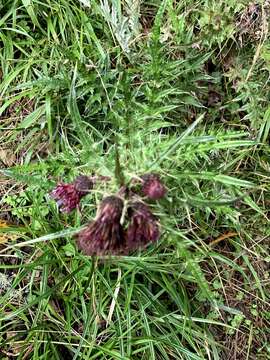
{"x": 115, "y": 90}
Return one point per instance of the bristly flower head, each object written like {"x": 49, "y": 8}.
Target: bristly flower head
{"x": 105, "y": 234}
{"x": 143, "y": 227}
{"x": 83, "y": 184}
{"x": 152, "y": 186}
{"x": 68, "y": 196}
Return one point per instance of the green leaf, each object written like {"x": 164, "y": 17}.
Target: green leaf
{"x": 178, "y": 142}
{"x": 28, "y": 4}
{"x": 33, "y": 118}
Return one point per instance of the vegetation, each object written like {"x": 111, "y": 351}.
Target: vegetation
{"x": 179, "y": 88}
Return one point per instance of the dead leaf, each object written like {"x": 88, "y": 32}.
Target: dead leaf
{"x": 4, "y": 224}
{"x": 222, "y": 237}
{"x": 7, "y": 157}
{"x": 7, "y": 236}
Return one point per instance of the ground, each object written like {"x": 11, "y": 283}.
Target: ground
{"x": 115, "y": 90}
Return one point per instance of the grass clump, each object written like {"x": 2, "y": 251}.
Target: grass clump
{"x": 117, "y": 90}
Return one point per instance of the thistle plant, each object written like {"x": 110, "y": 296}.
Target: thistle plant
{"x": 106, "y": 235}
{"x": 173, "y": 93}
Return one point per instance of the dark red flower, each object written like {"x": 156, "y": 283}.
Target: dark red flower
{"x": 105, "y": 234}
{"x": 143, "y": 227}
{"x": 68, "y": 196}
{"x": 152, "y": 186}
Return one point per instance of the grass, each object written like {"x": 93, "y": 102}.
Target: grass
{"x": 182, "y": 88}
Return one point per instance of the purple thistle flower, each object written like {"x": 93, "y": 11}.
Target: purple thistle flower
{"x": 143, "y": 227}
{"x": 152, "y": 187}
{"x": 68, "y": 196}
{"x": 104, "y": 235}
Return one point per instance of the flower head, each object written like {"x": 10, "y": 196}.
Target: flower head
{"x": 68, "y": 196}
{"x": 105, "y": 234}
{"x": 152, "y": 186}
{"x": 83, "y": 184}
{"x": 143, "y": 227}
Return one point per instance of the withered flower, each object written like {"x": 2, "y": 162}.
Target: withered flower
{"x": 152, "y": 186}
{"x": 105, "y": 234}
{"x": 143, "y": 227}
{"x": 68, "y": 196}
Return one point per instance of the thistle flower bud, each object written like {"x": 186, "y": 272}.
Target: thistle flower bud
{"x": 68, "y": 196}
{"x": 152, "y": 186}
{"x": 110, "y": 209}
{"x": 83, "y": 184}
{"x": 104, "y": 235}
{"x": 143, "y": 227}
